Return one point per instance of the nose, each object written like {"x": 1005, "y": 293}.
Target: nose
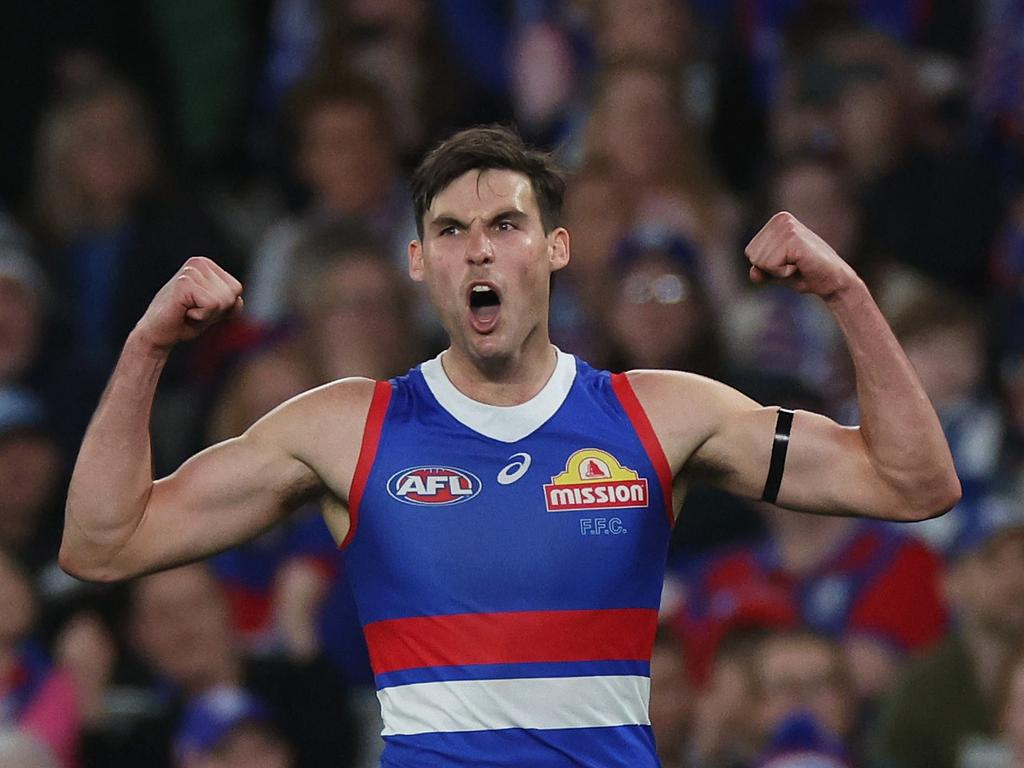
{"x": 479, "y": 249}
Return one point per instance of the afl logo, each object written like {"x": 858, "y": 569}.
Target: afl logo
{"x": 433, "y": 486}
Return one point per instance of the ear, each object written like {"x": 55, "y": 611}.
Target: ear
{"x": 416, "y": 261}
{"x": 558, "y": 248}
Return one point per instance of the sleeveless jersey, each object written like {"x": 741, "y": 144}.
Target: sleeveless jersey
{"x": 507, "y": 564}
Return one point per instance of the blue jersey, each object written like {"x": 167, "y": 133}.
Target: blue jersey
{"x": 507, "y": 563}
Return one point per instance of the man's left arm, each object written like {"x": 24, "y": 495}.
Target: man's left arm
{"x": 895, "y": 465}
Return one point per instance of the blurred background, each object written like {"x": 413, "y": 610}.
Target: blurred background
{"x": 276, "y": 136}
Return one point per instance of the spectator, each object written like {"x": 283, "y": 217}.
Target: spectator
{"x": 944, "y": 340}
{"x": 863, "y": 584}
{"x": 180, "y": 628}
{"x": 403, "y": 47}
{"x": 351, "y": 315}
{"x": 658, "y": 163}
{"x": 97, "y": 175}
{"x": 805, "y": 702}
{"x": 725, "y": 722}
{"x": 346, "y": 163}
{"x": 661, "y": 315}
{"x": 1007, "y": 749}
{"x": 228, "y": 728}
{"x": 34, "y": 696}
{"x": 111, "y": 231}
{"x": 952, "y": 695}
{"x": 777, "y": 332}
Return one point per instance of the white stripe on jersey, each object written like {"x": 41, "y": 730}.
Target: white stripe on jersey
{"x": 487, "y": 705}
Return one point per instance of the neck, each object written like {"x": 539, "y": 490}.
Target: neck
{"x": 509, "y": 380}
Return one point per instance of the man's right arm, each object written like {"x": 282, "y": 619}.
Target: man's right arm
{"x": 120, "y": 523}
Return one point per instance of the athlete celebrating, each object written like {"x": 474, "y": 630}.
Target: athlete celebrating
{"x": 504, "y": 509}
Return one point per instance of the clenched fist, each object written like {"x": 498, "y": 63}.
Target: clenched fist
{"x": 787, "y": 251}
{"x": 200, "y": 294}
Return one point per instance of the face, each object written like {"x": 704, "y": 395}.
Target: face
{"x": 656, "y": 319}
{"x": 344, "y": 159}
{"x": 654, "y": 29}
{"x": 814, "y": 193}
{"x": 487, "y": 264}
{"x": 357, "y": 325}
{"x": 113, "y": 157}
{"x": 181, "y": 624}
{"x": 801, "y": 674}
{"x": 868, "y": 123}
{"x": 950, "y": 361}
{"x": 987, "y": 588}
{"x": 724, "y": 712}
{"x": 639, "y": 124}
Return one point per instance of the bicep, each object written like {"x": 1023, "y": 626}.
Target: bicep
{"x": 827, "y": 466}
{"x": 219, "y": 498}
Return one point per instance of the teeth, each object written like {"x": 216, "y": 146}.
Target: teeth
{"x": 480, "y": 288}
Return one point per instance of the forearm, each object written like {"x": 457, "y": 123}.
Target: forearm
{"x": 113, "y": 475}
{"x": 902, "y": 434}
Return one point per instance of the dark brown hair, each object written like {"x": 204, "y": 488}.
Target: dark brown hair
{"x": 330, "y": 87}
{"x": 483, "y": 148}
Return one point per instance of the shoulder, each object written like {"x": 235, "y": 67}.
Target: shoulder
{"x": 657, "y": 385}
{"x": 319, "y": 417}
{"x": 346, "y": 399}
{"x": 685, "y": 408}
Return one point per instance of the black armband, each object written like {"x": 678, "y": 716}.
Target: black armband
{"x": 777, "y": 464}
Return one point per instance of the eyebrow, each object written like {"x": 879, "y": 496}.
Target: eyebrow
{"x": 446, "y": 220}
{"x": 449, "y": 220}
{"x": 508, "y": 213}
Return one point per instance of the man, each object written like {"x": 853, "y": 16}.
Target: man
{"x": 180, "y": 629}
{"x": 803, "y": 700}
{"x": 948, "y": 702}
{"x": 507, "y": 511}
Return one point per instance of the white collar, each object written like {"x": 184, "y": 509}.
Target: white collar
{"x": 507, "y": 423}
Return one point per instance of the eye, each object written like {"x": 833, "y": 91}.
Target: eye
{"x": 505, "y": 225}
{"x": 451, "y": 229}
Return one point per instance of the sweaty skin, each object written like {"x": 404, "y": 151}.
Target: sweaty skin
{"x": 485, "y": 228}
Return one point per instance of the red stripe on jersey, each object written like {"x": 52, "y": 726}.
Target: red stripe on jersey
{"x": 631, "y": 405}
{"x": 511, "y": 637}
{"x": 367, "y": 453}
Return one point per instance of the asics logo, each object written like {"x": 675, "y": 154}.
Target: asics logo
{"x": 517, "y": 465}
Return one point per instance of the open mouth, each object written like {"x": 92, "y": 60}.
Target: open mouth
{"x": 484, "y": 306}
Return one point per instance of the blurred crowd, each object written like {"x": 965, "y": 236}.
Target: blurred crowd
{"x": 276, "y": 136}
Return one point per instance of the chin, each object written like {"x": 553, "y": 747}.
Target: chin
{"x": 490, "y": 348}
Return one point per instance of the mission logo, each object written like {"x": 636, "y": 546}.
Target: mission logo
{"x": 594, "y": 479}
{"x": 433, "y": 486}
